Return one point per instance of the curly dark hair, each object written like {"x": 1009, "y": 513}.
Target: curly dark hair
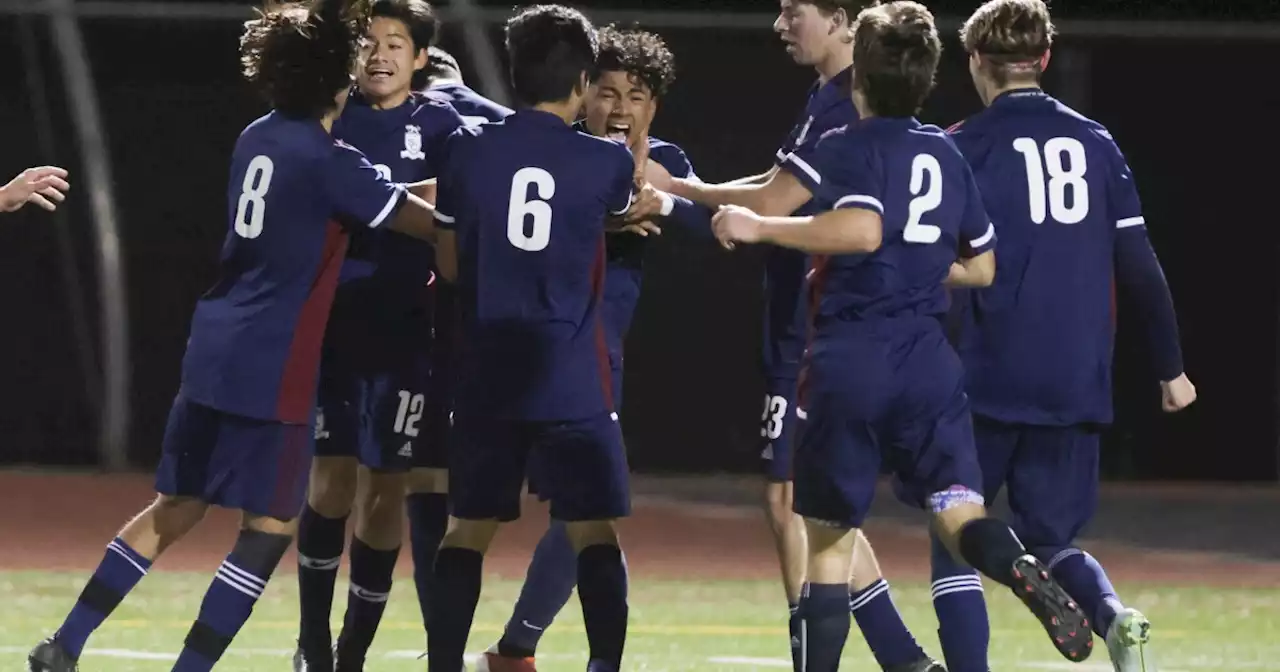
{"x": 642, "y": 54}
{"x": 895, "y": 57}
{"x": 300, "y": 55}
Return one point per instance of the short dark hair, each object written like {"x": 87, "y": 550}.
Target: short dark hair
{"x": 895, "y": 57}
{"x": 640, "y": 54}
{"x": 1011, "y": 37}
{"x": 299, "y": 55}
{"x": 419, "y": 18}
{"x": 442, "y": 65}
{"x": 550, "y": 47}
{"x": 850, "y": 7}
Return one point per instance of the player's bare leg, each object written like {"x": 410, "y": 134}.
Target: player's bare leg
{"x": 128, "y": 558}
{"x": 824, "y": 600}
{"x": 236, "y": 588}
{"x": 322, "y": 535}
{"x": 878, "y": 618}
{"x": 788, "y": 537}
{"x": 988, "y": 545}
{"x": 374, "y": 550}
{"x": 427, "y": 504}
{"x": 602, "y": 589}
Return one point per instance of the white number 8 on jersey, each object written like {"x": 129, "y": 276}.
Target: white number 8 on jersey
{"x": 252, "y": 208}
{"x": 522, "y": 206}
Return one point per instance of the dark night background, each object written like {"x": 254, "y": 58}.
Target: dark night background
{"x": 1194, "y": 116}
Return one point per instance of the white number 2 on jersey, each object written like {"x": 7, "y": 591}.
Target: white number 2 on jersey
{"x": 915, "y": 232}
{"x": 252, "y": 208}
{"x": 1060, "y": 178}
{"x": 538, "y": 210}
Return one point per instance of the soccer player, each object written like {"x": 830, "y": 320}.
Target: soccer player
{"x": 445, "y": 82}
{"x": 1037, "y": 344}
{"x": 240, "y": 432}
{"x": 635, "y": 70}
{"x": 818, "y": 34}
{"x": 882, "y": 382}
{"x": 526, "y": 199}
{"x": 46, "y": 186}
{"x": 376, "y": 366}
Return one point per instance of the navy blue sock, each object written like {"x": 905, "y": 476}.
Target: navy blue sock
{"x": 881, "y": 624}
{"x": 455, "y": 590}
{"x": 553, "y": 573}
{"x": 1083, "y": 578}
{"x": 793, "y": 626}
{"x": 371, "y": 577}
{"x": 824, "y": 613}
{"x": 602, "y": 589}
{"x": 963, "y": 627}
{"x": 991, "y": 547}
{"x": 320, "y": 542}
{"x": 229, "y": 602}
{"x": 428, "y": 521}
{"x": 120, "y": 570}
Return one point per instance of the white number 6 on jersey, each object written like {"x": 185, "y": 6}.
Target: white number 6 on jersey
{"x": 915, "y": 232}
{"x": 522, "y": 206}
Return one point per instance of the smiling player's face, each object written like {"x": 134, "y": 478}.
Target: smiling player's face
{"x": 390, "y": 60}
{"x": 621, "y": 107}
{"x": 808, "y": 34}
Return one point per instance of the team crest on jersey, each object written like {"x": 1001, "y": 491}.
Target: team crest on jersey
{"x": 412, "y": 144}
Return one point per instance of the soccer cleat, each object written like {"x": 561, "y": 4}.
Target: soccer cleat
{"x": 306, "y": 662}
{"x": 49, "y": 656}
{"x": 492, "y": 661}
{"x": 922, "y": 665}
{"x": 1061, "y": 617}
{"x": 1127, "y": 642}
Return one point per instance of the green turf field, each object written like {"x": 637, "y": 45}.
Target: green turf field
{"x": 729, "y": 626}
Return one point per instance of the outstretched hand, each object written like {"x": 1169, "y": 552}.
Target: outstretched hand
{"x": 46, "y": 186}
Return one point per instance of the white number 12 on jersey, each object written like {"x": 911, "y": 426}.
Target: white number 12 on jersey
{"x": 1060, "y": 178}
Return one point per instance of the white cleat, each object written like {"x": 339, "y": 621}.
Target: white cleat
{"x": 1127, "y": 642}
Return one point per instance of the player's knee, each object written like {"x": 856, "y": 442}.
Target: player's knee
{"x": 475, "y": 535}
{"x": 269, "y": 525}
{"x": 380, "y": 508}
{"x": 866, "y": 568}
{"x": 830, "y": 551}
{"x": 954, "y": 508}
{"x": 332, "y": 487}
{"x": 427, "y": 481}
{"x": 173, "y": 517}
{"x": 778, "y": 503}
{"x": 583, "y": 534}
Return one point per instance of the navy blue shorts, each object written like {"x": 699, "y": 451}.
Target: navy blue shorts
{"x": 257, "y": 466}
{"x": 1051, "y": 474}
{"x": 778, "y": 429}
{"x": 892, "y": 394}
{"x": 579, "y": 466}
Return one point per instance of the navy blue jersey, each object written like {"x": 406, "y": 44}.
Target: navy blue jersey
{"x": 829, "y": 106}
{"x": 928, "y": 201}
{"x": 528, "y": 197}
{"x": 400, "y": 143}
{"x": 1037, "y": 344}
{"x": 474, "y": 108}
{"x": 255, "y": 338}
{"x": 625, "y": 254}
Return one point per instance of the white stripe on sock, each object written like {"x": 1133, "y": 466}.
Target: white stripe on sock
{"x": 873, "y": 591}
{"x": 322, "y": 564}
{"x": 234, "y": 580}
{"x": 1063, "y": 555}
{"x": 249, "y": 579}
{"x": 368, "y": 595}
{"x": 119, "y": 550}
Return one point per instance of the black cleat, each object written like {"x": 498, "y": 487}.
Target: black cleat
{"x": 49, "y": 656}
{"x": 304, "y": 661}
{"x": 922, "y": 665}
{"x": 1061, "y": 617}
